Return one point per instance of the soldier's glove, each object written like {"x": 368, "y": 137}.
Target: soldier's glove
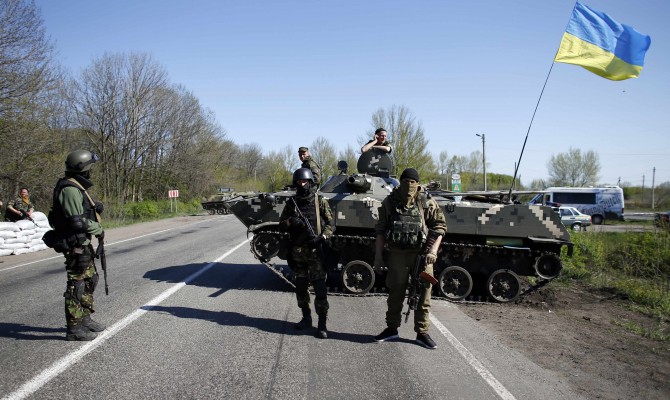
{"x": 431, "y": 258}
{"x": 99, "y": 207}
{"x": 379, "y": 265}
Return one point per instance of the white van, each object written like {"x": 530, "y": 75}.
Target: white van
{"x": 600, "y": 203}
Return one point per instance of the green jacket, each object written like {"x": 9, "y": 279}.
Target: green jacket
{"x": 72, "y": 202}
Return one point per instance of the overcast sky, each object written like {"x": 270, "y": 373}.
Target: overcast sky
{"x": 280, "y": 73}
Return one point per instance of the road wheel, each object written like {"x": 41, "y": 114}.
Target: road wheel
{"x": 576, "y": 227}
{"x": 454, "y": 283}
{"x": 265, "y": 245}
{"x": 597, "y": 219}
{"x": 358, "y": 277}
{"x": 503, "y": 285}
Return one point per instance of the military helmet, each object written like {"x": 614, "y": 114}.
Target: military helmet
{"x": 302, "y": 173}
{"x": 80, "y": 161}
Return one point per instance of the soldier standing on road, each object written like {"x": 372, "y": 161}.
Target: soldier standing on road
{"x": 408, "y": 222}
{"x": 308, "y": 219}
{"x": 308, "y": 162}
{"x": 20, "y": 208}
{"x": 379, "y": 142}
{"x": 75, "y": 216}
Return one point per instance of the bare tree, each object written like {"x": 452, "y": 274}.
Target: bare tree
{"x": 407, "y": 138}
{"x": 574, "y": 168}
{"x": 323, "y": 153}
{"x": 279, "y": 168}
{"x": 350, "y": 155}
{"x": 25, "y": 54}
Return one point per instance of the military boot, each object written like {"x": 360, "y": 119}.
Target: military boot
{"x": 79, "y": 332}
{"x": 322, "y": 331}
{"x": 306, "y": 321}
{"x": 91, "y": 325}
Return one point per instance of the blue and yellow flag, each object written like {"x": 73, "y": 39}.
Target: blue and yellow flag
{"x": 605, "y": 47}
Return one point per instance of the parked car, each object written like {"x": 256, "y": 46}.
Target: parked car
{"x": 573, "y": 219}
{"x": 662, "y": 220}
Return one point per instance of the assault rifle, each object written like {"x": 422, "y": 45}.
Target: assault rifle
{"x": 325, "y": 252}
{"x": 24, "y": 215}
{"x": 100, "y": 253}
{"x": 418, "y": 277}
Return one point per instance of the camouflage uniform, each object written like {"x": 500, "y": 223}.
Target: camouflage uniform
{"x": 17, "y": 204}
{"x": 82, "y": 275}
{"x": 314, "y": 167}
{"x": 308, "y": 266}
{"x": 401, "y": 260}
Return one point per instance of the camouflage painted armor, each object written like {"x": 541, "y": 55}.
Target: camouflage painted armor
{"x": 402, "y": 258}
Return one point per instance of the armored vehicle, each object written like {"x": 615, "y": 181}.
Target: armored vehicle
{"x": 215, "y": 204}
{"x": 490, "y": 241}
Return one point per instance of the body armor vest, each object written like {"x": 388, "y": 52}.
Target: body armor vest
{"x": 56, "y": 216}
{"x": 406, "y": 226}
{"x": 308, "y": 210}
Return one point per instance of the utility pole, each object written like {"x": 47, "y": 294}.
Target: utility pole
{"x": 653, "y": 179}
{"x": 483, "y": 136}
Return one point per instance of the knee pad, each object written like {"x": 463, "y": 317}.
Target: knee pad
{"x": 75, "y": 290}
{"x": 92, "y": 283}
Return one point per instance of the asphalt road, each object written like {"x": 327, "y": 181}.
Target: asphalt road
{"x": 191, "y": 314}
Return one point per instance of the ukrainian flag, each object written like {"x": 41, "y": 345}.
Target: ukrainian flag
{"x": 605, "y": 47}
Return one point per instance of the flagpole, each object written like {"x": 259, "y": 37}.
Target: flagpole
{"x": 518, "y": 164}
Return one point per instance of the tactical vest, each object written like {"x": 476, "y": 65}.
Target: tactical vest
{"x": 56, "y": 216}
{"x": 406, "y": 227}
{"x": 307, "y": 207}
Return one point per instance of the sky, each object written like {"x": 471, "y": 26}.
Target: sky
{"x": 285, "y": 72}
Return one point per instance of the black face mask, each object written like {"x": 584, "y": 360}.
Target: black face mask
{"x": 303, "y": 190}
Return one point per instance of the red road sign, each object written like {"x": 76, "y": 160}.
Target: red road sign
{"x": 173, "y": 193}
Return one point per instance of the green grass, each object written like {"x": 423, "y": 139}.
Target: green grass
{"x": 633, "y": 265}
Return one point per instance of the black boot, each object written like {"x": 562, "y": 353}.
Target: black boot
{"x": 79, "y": 332}
{"x": 322, "y": 332}
{"x": 91, "y": 325}
{"x": 306, "y": 321}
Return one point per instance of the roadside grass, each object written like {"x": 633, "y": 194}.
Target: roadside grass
{"x": 145, "y": 211}
{"x": 633, "y": 265}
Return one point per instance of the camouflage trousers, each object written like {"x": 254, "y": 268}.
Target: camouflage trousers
{"x": 82, "y": 278}
{"x": 308, "y": 267}
{"x": 400, "y": 262}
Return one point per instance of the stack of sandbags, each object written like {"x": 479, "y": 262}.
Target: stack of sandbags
{"x": 23, "y": 236}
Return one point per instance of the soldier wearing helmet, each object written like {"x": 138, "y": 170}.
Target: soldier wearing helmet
{"x": 76, "y": 217}
{"x": 309, "y": 221}
{"x": 308, "y": 162}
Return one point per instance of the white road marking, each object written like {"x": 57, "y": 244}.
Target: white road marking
{"x": 106, "y": 245}
{"x": 64, "y": 363}
{"x": 474, "y": 363}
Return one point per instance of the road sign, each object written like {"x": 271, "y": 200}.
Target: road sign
{"x": 455, "y": 183}
{"x": 173, "y": 194}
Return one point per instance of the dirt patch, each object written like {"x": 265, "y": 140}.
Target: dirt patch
{"x": 576, "y": 332}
